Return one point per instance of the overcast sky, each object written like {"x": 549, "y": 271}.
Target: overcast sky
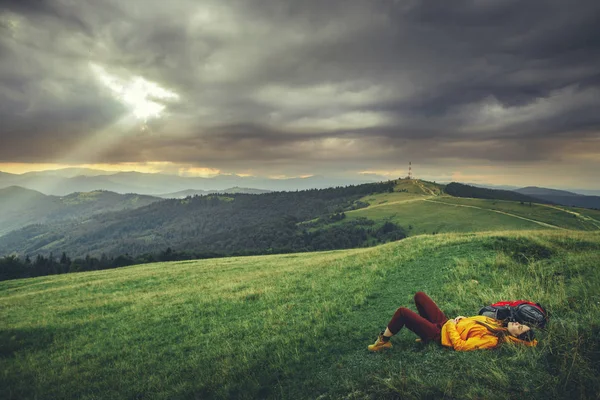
{"x": 488, "y": 91}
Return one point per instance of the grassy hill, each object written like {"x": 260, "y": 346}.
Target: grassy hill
{"x": 297, "y": 325}
{"x": 423, "y": 208}
{"x": 428, "y": 211}
{"x": 417, "y": 186}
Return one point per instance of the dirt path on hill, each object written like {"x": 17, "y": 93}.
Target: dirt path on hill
{"x": 591, "y": 220}
{"x": 392, "y": 202}
{"x": 499, "y": 212}
{"x": 424, "y": 189}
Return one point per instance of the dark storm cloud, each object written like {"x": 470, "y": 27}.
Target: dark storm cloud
{"x": 281, "y": 82}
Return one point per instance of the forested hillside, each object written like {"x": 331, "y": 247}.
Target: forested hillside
{"x": 21, "y": 207}
{"x": 227, "y": 224}
{"x": 191, "y": 192}
{"x": 459, "y": 190}
{"x": 282, "y": 222}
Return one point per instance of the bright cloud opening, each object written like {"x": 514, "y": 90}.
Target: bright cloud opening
{"x": 198, "y": 172}
{"x": 144, "y": 98}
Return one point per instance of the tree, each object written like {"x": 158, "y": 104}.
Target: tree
{"x": 64, "y": 260}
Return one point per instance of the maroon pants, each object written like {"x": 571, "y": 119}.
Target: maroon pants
{"x": 427, "y": 324}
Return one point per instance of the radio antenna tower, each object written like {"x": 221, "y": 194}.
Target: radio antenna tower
{"x": 410, "y": 170}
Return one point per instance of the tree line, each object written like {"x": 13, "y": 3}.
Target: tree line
{"x": 356, "y": 233}
{"x": 459, "y": 190}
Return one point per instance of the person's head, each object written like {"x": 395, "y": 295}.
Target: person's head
{"x": 510, "y": 332}
{"x": 520, "y": 331}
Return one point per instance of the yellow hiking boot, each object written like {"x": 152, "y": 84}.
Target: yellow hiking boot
{"x": 379, "y": 344}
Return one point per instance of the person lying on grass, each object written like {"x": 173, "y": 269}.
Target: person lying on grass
{"x": 460, "y": 333}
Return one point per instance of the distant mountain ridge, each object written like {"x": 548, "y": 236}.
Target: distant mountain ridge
{"x": 61, "y": 182}
{"x": 555, "y": 196}
{"x": 582, "y": 192}
{"x": 540, "y": 191}
{"x": 561, "y": 197}
{"x": 186, "y": 193}
{"x": 495, "y": 187}
{"x": 69, "y": 172}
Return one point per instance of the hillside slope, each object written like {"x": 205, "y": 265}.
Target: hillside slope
{"x": 21, "y": 207}
{"x": 232, "y": 223}
{"x": 422, "y": 213}
{"x": 561, "y": 197}
{"x": 297, "y": 325}
{"x": 337, "y": 218}
{"x": 535, "y": 191}
{"x": 459, "y": 190}
{"x": 418, "y": 186}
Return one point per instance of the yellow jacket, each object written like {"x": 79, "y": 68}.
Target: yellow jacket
{"x": 468, "y": 335}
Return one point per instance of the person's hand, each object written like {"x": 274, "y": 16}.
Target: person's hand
{"x": 458, "y": 319}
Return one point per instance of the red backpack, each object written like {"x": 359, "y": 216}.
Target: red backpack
{"x": 522, "y": 311}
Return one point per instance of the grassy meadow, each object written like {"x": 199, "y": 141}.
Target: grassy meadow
{"x": 559, "y": 216}
{"x": 421, "y": 216}
{"x": 297, "y": 326}
{"x": 420, "y": 209}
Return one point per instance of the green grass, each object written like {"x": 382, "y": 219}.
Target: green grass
{"x": 586, "y": 211}
{"x": 562, "y": 217}
{"x": 379, "y": 199}
{"x": 429, "y": 217}
{"x": 418, "y": 186}
{"x": 592, "y": 216}
{"x": 421, "y": 213}
{"x": 297, "y": 326}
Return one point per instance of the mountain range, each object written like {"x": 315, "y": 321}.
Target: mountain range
{"x": 20, "y": 207}
{"x": 70, "y": 180}
{"x": 561, "y": 197}
{"x": 101, "y": 221}
{"x": 583, "y": 192}
{"x": 66, "y": 181}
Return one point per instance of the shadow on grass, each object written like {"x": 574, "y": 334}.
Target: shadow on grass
{"x": 26, "y": 340}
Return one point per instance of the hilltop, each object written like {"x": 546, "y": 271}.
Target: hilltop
{"x": 418, "y": 186}
{"x": 297, "y": 325}
{"x": 425, "y": 207}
